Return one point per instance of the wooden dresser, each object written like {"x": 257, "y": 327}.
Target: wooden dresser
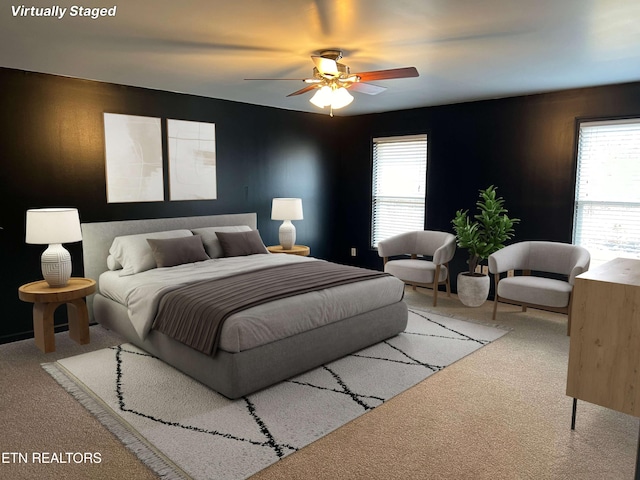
{"x": 604, "y": 353}
{"x": 604, "y": 349}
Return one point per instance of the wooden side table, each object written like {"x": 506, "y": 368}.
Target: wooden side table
{"x": 301, "y": 250}
{"x": 47, "y": 299}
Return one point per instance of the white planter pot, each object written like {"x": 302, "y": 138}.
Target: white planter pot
{"x": 473, "y": 291}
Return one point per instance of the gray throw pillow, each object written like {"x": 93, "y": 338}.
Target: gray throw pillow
{"x": 169, "y": 252}
{"x": 236, "y": 244}
{"x": 133, "y": 253}
{"x": 210, "y": 240}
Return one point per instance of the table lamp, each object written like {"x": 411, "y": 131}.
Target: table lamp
{"x": 286, "y": 209}
{"x": 54, "y": 226}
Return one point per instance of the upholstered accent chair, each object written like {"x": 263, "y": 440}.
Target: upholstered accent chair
{"x": 561, "y": 261}
{"x": 429, "y": 255}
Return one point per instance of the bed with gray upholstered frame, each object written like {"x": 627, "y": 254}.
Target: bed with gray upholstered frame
{"x": 240, "y": 373}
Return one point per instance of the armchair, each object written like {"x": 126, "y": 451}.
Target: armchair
{"x": 539, "y": 291}
{"x": 417, "y": 271}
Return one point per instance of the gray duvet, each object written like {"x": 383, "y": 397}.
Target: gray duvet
{"x": 195, "y": 314}
{"x": 258, "y": 325}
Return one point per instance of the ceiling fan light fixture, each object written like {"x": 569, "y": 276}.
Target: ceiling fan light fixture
{"x": 330, "y": 80}
{"x": 331, "y": 96}
{"x": 341, "y": 98}
{"x": 322, "y": 97}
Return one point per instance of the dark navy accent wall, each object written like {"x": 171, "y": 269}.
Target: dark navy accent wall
{"x": 52, "y": 154}
{"x": 523, "y": 145}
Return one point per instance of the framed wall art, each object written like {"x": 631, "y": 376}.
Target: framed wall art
{"x": 133, "y": 158}
{"x": 192, "y": 160}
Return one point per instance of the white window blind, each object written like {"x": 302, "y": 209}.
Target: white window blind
{"x": 399, "y": 185}
{"x": 607, "y": 209}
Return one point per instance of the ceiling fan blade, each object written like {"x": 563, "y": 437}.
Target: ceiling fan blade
{"x": 367, "y": 88}
{"x": 388, "y": 74}
{"x": 326, "y": 66}
{"x": 306, "y": 89}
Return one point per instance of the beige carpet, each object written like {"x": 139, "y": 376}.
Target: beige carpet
{"x": 501, "y": 413}
{"x": 37, "y": 415}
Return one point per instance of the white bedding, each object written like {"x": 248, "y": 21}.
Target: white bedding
{"x": 256, "y": 326}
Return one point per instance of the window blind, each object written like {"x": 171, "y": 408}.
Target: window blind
{"x": 607, "y": 207}
{"x": 399, "y": 185}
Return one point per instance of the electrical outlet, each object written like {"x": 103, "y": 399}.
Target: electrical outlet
{"x": 353, "y": 251}
{"x": 485, "y": 269}
{"x": 510, "y": 273}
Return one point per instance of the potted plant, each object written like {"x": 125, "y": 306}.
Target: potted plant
{"x": 482, "y": 236}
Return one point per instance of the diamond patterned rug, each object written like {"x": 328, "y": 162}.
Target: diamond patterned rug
{"x": 182, "y": 429}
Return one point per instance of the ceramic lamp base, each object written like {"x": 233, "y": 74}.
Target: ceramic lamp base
{"x": 287, "y": 235}
{"x": 56, "y": 265}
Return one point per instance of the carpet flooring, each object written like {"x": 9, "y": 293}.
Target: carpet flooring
{"x": 170, "y": 420}
{"x": 498, "y": 414}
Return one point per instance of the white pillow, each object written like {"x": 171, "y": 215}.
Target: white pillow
{"x": 113, "y": 264}
{"x": 134, "y": 253}
{"x": 210, "y": 239}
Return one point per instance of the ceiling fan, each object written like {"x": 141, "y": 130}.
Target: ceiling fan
{"x": 331, "y": 79}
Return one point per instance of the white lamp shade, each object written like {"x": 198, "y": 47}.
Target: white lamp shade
{"x": 334, "y": 97}
{"x": 341, "y": 98}
{"x": 53, "y": 225}
{"x": 286, "y": 209}
{"x": 322, "y": 97}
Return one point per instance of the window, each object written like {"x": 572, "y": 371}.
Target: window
{"x": 607, "y": 208}
{"x": 399, "y": 185}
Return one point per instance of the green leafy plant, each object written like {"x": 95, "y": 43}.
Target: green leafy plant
{"x": 488, "y": 231}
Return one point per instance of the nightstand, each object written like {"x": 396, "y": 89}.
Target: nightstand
{"x": 301, "y": 250}
{"x": 47, "y": 299}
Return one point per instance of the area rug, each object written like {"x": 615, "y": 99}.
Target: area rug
{"x": 182, "y": 429}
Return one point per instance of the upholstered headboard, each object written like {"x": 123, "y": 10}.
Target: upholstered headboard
{"x": 98, "y": 237}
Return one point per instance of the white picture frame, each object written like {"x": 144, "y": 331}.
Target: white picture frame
{"x": 133, "y": 158}
{"x": 192, "y": 160}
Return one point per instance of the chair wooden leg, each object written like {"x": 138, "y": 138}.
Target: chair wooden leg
{"x": 495, "y": 295}
{"x": 448, "y": 281}
{"x": 569, "y": 315}
{"x": 525, "y": 272}
{"x": 436, "y": 282}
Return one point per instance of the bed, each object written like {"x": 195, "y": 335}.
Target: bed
{"x": 305, "y": 330}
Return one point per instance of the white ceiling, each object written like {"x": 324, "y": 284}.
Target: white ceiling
{"x": 463, "y": 49}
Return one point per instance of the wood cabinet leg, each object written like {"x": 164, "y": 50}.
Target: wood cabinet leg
{"x": 78, "y": 316}
{"x": 43, "y": 326}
